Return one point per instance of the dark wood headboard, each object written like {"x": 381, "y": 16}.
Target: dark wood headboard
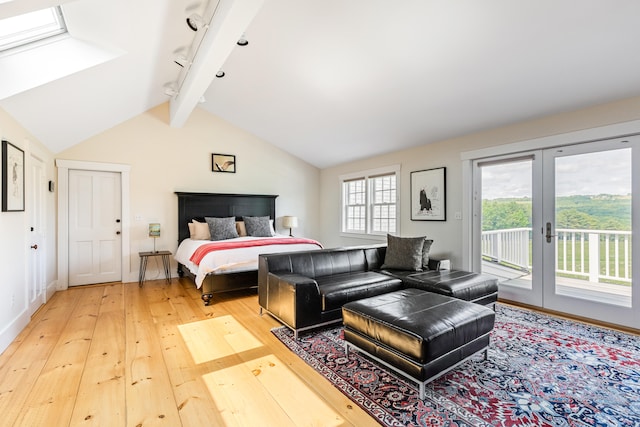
{"x": 199, "y": 205}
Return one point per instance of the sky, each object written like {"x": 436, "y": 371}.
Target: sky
{"x": 606, "y": 172}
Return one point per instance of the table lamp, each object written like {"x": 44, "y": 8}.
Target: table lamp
{"x": 290, "y": 222}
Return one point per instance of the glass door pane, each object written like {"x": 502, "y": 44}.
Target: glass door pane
{"x": 507, "y": 220}
{"x": 593, "y": 226}
{"x": 588, "y": 233}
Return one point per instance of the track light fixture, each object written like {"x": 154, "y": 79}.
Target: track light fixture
{"x": 181, "y": 60}
{"x": 195, "y": 22}
{"x": 170, "y": 89}
{"x": 242, "y": 41}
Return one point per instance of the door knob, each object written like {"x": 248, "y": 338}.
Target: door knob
{"x": 34, "y": 247}
{"x": 117, "y": 232}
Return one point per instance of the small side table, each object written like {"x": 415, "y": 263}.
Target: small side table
{"x": 144, "y": 257}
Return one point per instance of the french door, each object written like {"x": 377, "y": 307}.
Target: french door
{"x": 556, "y": 227}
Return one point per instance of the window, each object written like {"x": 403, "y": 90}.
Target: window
{"x": 370, "y": 202}
{"x": 30, "y": 27}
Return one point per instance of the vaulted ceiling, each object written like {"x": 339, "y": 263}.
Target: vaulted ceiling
{"x": 332, "y": 81}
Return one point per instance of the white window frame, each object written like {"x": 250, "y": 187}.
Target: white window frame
{"x": 368, "y": 176}
{"x": 30, "y": 35}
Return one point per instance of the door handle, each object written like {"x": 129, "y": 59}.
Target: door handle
{"x": 549, "y": 235}
{"x": 34, "y": 247}
{"x": 117, "y": 232}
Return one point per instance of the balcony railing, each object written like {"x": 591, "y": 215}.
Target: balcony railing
{"x": 593, "y": 255}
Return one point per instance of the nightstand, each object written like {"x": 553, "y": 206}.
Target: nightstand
{"x": 144, "y": 257}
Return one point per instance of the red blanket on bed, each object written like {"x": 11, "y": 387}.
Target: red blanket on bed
{"x": 224, "y": 245}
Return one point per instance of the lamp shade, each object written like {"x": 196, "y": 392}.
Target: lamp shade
{"x": 290, "y": 221}
{"x": 154, "y": 229}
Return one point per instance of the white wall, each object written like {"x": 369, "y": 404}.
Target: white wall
{"x": 164, "y": 160}
{"x": 447, "y": 235}
{"x": 14, "y": 241}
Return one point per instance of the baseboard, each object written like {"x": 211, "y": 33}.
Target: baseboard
{"x": 13, "y": 329}
{"x": 51, "y": 289}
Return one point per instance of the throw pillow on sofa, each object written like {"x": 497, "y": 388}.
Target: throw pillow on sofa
{"x": 425, "y": 253}
{"x": 404, "y": 253}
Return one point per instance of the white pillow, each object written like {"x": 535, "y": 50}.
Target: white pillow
{"x": 199, "y": 230}
{"x": 242, "y": 230}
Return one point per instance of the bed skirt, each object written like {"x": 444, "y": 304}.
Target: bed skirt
{"x": 216, "y": 283}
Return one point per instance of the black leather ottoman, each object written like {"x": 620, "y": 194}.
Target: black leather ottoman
{"x": 420, "y": 334}
{"x": 464, "y": 285}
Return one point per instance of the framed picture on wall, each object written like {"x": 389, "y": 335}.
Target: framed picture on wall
{"x": 223, "y": 163}
{"x": 428, "y": 195}
{"x": 12, "y": 178}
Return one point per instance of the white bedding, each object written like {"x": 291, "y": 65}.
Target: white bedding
{"x": 230, "y": 260}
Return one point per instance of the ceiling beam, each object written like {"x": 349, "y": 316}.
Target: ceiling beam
{"x": 228, "y": 22}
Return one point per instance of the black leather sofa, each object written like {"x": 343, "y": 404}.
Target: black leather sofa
{"x": 304, "y": 290}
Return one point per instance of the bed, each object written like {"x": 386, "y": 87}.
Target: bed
{"x": 230, "y": 269}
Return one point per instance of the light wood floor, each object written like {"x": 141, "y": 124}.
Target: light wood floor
{"x": 117, "y": 355}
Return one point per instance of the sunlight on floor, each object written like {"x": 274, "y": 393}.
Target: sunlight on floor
{"x": 265, "y": 392}
{"x": 203, "y": 337}
{"x": 249, "y": 386}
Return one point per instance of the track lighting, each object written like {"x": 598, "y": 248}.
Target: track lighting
{"x": 195, "y": 22}
{"x": 242, "y": 41}
{"x": 181, "y": 60}
{"x": 170, "y": 89}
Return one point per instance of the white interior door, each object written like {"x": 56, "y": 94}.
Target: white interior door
{"x": 36, "y": 291}
{"x": 588, "y": 227}
{"x": 95, "y": 226}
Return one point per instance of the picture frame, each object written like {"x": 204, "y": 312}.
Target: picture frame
{"x": 223, "y": 163}
{"x": 428, "y": 195}
{"x": 12, "y": 178}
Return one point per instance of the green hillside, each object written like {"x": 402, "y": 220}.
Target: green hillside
{"x": 601, "y": 212}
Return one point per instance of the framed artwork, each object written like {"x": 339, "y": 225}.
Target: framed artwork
{"x": 223, "y": 163}
{"x": 12, "y": 178}
{"x": 428, "y": 195}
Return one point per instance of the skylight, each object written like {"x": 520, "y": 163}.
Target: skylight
{"x": 31, "y": 27}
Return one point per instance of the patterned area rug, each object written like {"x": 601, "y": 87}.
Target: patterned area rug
{"x": 541, "y": 371}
